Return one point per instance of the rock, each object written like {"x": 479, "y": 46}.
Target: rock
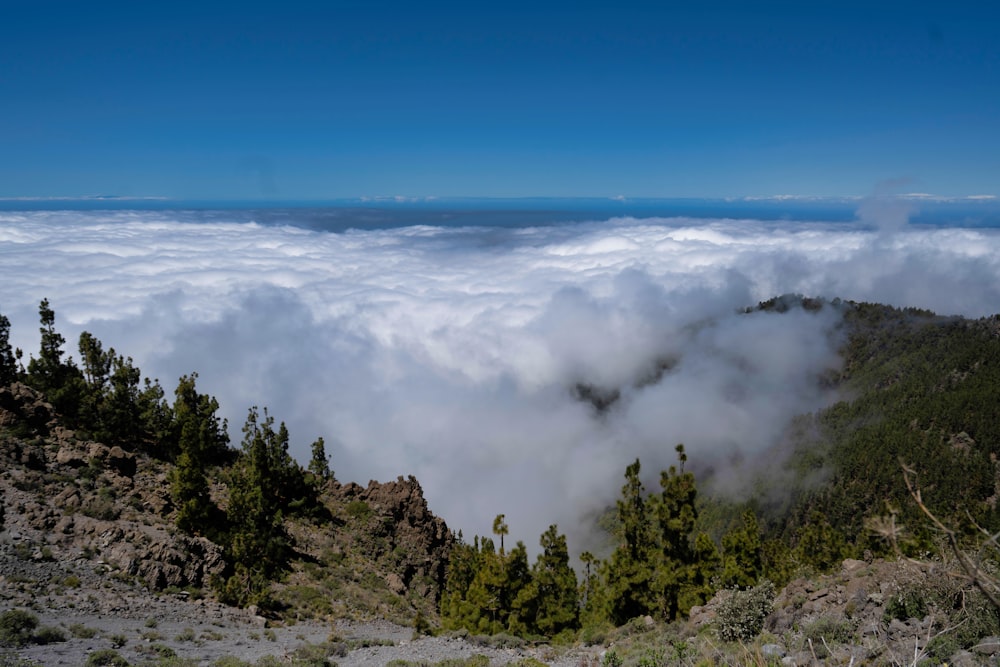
{"x": 412, "y": 541}
{"x": 20, "y": 404}
{"x": 69, "y": 455}
{"x": 395, "y": 583}
{"x": 987, "y": 646}
{"x": 68, "y": 498}
{"x": 773, "y": 651}
{"x": 64, "y": 526}
{"x": 964, "y": 659}
{"x": 121, "y": 461}
{"x": 897, "y": 628}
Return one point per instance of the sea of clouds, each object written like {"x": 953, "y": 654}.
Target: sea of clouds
{"x": 452, "y": 353}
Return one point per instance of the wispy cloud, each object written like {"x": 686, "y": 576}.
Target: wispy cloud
{"x": 453, "y": 353}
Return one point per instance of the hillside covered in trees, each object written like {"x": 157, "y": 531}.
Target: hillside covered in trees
{"x": 916, "y": 390}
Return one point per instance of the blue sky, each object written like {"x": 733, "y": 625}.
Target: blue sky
{"x": 308, "y": 100}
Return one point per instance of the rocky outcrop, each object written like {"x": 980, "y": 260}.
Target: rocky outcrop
{"x": 23, "y": 407}
{"x": 68, "y": 497}
{"x": 883, "y": 612}
{"x": 399, "y": 530}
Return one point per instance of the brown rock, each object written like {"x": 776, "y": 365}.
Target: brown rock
{"x": 20, "y": 403}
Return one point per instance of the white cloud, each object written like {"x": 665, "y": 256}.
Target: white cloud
{"x": 451, "y": 353}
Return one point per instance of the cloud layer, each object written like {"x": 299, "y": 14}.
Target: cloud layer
{"x": 453, "y": 353}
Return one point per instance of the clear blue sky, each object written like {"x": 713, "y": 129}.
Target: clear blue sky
{"x": 319, "y": 100}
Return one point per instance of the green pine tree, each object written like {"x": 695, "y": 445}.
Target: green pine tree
{"x": 258, "y": 544}
{"x": 675, "y": 518}
{"x": 553, "y": 596}
{"x": 60, "y": 380}
{"x": 199, "y": 438}
{"x": 8, "y": 363}
{"x": 630, "y": 572}
{"x": 743, "y": 554}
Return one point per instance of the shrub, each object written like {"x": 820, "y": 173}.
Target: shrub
{"x": 48, "y": 635}
{"x": 230, "y": 661}
{"x": 82, "y": 631}
{"x": 16, "y": 627}
{"x": 905, "y": 604}
{"x": 106, "y": 657}
{"x": 611, "y": 659}
{"x": 826, "y": 630}
{"x": 741, "y": 615}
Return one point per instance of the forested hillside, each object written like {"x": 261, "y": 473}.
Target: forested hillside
{"x": 915, "y": 389}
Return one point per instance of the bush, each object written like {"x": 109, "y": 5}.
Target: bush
{"x": 741, "y": 615}
{"x": 82, "y": 631}
{"x": 48, "y": 635}
{"x": 611, "y": 659}
{"x": 906, "y": 604}
{"x": 16, "y": 627}
{"x": 826, "y": 630}
{"x": 106, "y": 657}
{"x": 231, "y": 661}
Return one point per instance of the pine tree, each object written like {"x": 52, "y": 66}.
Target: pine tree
{"x": 258, "y": 545}
{"x": 60, "y": 381}
{"x": 8, "y": 365}
{"x": 319, "y": 462}
{"x": 630, "y": 571}
{"x": 156, "y": 418}
{"x": 820, "y": 544}
{"x": 704, "y": 573}
{"x": 199, "y": 437}
{"x": 743, "y": 554}
{"x": 110, "y": 401}
{"x": 463, "y": 564}
{"x": 592, "y": 610}
{"x": 676, "y": 516}
{"x": 500, "y": 529}
{"x": 551, "y": 597}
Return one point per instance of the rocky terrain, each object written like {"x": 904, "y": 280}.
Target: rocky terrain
{"x": 88, "y": 547}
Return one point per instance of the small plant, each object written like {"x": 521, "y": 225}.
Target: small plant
{"x": 48, "y": 635}
{"x": 106, "y": 657}
{"x": 72, "y": 581}
{"x": 117, "y": 641}
{"x": 185, "y": 635}
{"x": 421, "y": 626}
{"x": 82, "y": 631}
{"x": 741, "y": 615}
{"x": 312, "y": 655}
{"x": 16, "y": 627}
{"x": 151, "y": 623}
{"x": 161, "y": 650}
{"x": 269, "y": 635}
{"x": 612, "y": 659}
{"x": 230, "y": 661}
{"x": 904, "y": 605}
{"x": 653, "y": 657}
{"x": 824, "y": 631}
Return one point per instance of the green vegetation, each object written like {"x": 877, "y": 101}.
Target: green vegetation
{"x": 915, "y": 389}
{"x": 201, "y": 441}
{"x": 17, "y": 627}
{"x": 106, "y": 657}
{"x": 742, "y": 613}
